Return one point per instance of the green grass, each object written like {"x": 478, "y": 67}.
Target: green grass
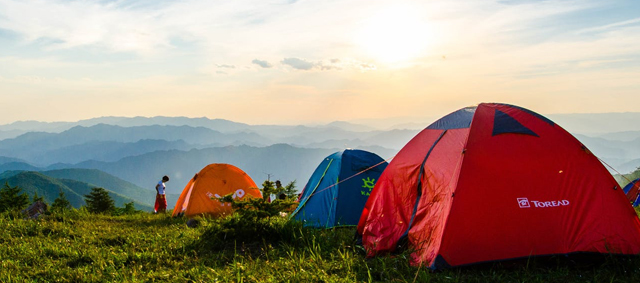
{"x": 79, "y": 247}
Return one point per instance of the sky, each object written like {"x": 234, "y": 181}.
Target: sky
{"x": 311, "y": 61}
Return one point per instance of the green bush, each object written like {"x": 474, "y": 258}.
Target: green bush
{"x": 128, "y": 209}
{"x": 253, "y": 209}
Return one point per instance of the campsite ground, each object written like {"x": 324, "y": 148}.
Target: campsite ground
{"x": 79, "y": 247}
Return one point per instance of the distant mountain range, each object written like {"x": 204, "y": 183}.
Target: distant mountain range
{"x": 36, "y": 146}
{"x": 110, "y": 143}
{"x": 140, "y": 150}
{"x": 56, "y": 127}
{"x": 594, "y": 124}
{"x": 623, "y": 155}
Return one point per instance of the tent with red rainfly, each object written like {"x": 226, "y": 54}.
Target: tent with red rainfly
{"x": 496, "y": 182}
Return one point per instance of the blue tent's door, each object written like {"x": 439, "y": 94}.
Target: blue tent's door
{"x": 317, "y": 203}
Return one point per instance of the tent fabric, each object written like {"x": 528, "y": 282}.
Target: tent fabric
{"x": 338, "y": 189}
{"x": 632, "y": 190}
{"x": 510, "y": 184}
{"x": 214, "y": 181}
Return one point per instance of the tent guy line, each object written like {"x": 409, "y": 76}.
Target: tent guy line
{"x": 614, "y": 169}
{"x": 346, "y": 179}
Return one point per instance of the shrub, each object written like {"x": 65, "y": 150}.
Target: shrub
{"x": 128, "y": 209}
{"x": 257, "y": 208}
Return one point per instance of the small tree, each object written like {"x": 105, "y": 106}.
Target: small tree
{"x": 61, "y": 203}
{"x": 290, "y": 190}
{"x": 37, "y": 198}
{"x": 99, "y": 201}
{"x": 11, "y": 199}
{"x": 257, "y": 208}
{"x": 129, "y": 208}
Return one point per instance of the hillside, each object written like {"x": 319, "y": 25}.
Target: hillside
{"x": 49, "y": 188}
{"x": 101, "y": 179}
{"x": 46, "y": 187}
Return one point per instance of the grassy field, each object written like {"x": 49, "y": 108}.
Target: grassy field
{"x": 80, "y": 247}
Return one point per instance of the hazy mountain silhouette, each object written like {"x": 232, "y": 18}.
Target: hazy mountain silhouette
{"x": 22, "y": 166}
{"x": 81, "y": 143}
{"x": 597, "y": 123}
{"x": 4, "y": 159}
{"x": 56, "y": 127}
{"x": 110, "y": 143}
{"x": 582, "y": 123}
{"x": 105, "y": 151}
{"x": 623, "y": 156}
{"x": 622, "y": 136}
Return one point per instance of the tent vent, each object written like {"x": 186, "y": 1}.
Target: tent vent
{"x": 505, "y": 124}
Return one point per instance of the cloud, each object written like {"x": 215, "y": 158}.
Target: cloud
{"x": 142, "y": 27}
{"x": 261, "y": 63}
{"x": 367, "y": 67}
{"x": 225, "y": 66}
{"x": 298, "y": 64}
{"x": 611, "y": 26}
{"x": 328, "y": 65}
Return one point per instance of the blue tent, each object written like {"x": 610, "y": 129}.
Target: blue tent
{"x": 628, "y": 187}
{"x": 338, "y": 189}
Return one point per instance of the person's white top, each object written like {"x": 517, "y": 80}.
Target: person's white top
{"x": 161, "y": 188}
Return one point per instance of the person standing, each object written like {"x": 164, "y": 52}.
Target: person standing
{"x": 161, "y": 198}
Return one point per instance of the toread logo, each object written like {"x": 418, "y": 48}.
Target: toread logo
{"x": 525, "y": 203}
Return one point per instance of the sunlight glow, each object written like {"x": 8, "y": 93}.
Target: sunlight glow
{"x": 396, "y": 34}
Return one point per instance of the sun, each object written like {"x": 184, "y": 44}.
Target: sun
{"x": 394, "y": 34}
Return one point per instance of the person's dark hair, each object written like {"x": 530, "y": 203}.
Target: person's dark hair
{"x": 165, "y": 178}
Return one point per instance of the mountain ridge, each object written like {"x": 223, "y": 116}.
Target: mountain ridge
{"x": 32, "y": 182}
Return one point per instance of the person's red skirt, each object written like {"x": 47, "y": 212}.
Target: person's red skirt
{"x": 161, "y": 203}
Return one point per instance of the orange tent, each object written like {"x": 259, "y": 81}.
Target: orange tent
{"x": 214, "y": 181}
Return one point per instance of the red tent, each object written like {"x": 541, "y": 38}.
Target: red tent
{"x": 496, "y": 182}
